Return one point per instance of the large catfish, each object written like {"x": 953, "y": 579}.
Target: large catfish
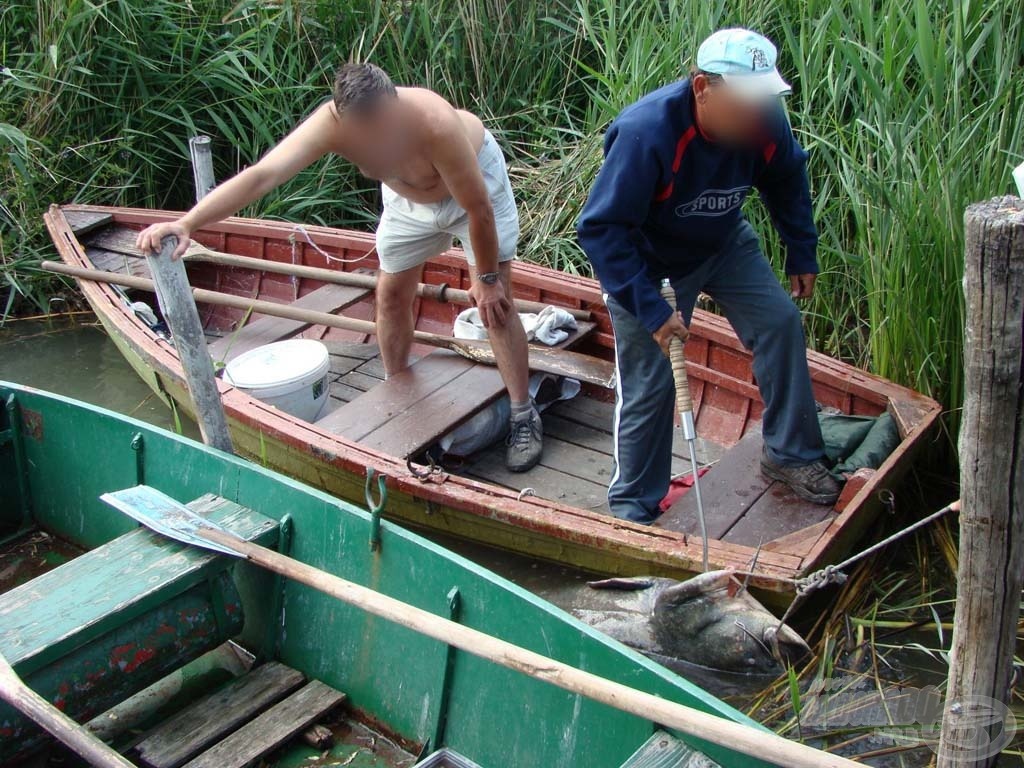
{"x": 710, "y": 620}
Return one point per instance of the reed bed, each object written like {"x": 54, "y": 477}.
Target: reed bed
{"x": 911, "y": 110}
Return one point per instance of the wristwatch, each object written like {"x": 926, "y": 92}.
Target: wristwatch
{"x": 488, "y": 278}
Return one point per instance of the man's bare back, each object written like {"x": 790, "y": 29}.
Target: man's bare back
{"x": 426, "y": 152}
{"x": 402, "y": 156}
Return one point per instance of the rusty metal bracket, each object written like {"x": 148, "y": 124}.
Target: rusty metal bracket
{"x": 375, "y": 507}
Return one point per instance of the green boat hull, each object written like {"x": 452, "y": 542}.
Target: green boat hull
{"x": 57, "y": 456}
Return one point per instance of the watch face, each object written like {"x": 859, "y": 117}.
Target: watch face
{"x": 490, "y": 278}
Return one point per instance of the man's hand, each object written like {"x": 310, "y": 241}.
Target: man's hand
{"x": 492, "y": 302}
{"x": 674, "y": 328}
{"x": 801, "y": 286}
{"x": 149, "y": 238}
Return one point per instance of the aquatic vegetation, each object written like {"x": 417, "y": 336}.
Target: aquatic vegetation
{"x": 911, "y": 110}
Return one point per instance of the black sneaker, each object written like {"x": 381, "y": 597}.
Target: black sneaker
{"x": 808, "y": 481}
{"x": 525, "y": 442}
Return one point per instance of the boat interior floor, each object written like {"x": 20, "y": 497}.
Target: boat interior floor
{"x": 407, "y": 414}
{"x": 742, "y": 505}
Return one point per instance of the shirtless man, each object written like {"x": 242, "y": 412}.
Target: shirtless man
{"x": 442, "y": 175}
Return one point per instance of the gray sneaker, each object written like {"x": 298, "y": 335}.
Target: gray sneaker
{"x": 525, "y": 442}
{"x": 808, "y": 481}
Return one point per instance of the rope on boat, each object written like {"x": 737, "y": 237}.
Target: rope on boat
{"x": 299, "y": 229}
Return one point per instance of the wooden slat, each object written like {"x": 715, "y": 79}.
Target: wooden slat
{"x": 593, "y": 414}
{"x": 265, "y": 330}
{"x": 776, "y": 513}
{"x": 83, "y": 222}
{"x": 574, "y": 461}
{"x": 729, "y": 489}
{"x": 426, "y": 420}
{"x": 798, "y": 543}
{"x": 547, "y": 483}
{"x": 271, "y": 729}
{"x": 383, "y": 403}
{"x": 216, "y": 715}
{"x": 120, "y": 239}
{"x": 113, "y": 261}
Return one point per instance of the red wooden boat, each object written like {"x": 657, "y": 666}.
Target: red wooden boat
{"x": 558, "y": 511}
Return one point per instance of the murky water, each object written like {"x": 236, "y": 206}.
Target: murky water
{"x": 77, "y": 359}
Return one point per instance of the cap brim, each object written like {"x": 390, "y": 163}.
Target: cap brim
{"x": 758, "y": 87}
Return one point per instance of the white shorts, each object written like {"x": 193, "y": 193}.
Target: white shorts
{"x": 411, "y": 233}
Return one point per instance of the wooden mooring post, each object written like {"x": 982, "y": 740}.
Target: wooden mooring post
{"x": 975, "y": 723}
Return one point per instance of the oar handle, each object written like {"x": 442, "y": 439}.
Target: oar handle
{"x": 561, "y": 362}
{"x": 735, "y": 736}
{"x": 677, "y": 358}
{"x": 14, "y": 691}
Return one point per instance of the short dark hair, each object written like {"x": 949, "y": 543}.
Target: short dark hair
{"x": 357, "y": 87}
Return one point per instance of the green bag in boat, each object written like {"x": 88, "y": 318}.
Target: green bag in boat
{"x": 854, "y": 442}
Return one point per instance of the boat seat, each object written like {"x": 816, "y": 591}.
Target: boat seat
{"x": 663, "y": 749}
{"x": 239, "y": 722}
{"x": 264, "y": 330}
{"x": 409, "y": 411}
{"x": 105, "y": 625}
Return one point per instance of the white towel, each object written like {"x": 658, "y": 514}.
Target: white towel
{"x": 550, "y": 326}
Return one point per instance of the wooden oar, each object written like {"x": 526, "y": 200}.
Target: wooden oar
{"x": 197, "y": 252}
{"x": 170, "y": 518}
{"x": 560, "y": 362}
{"x": 684, "y": 403}
{"x": 14, "y": 691}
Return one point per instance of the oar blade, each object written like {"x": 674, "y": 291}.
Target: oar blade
{"x": 168, "y": 517}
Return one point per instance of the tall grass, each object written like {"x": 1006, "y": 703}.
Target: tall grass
{"x": 911, "y": 110}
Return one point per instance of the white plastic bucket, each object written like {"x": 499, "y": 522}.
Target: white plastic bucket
{"x": 291, "y": 375}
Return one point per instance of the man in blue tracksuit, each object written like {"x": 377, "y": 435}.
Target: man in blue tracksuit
{"x": 667, "y": 203}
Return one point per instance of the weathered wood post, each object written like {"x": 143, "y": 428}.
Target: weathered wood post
{"x": 989, "y": 576}
{"x": 202, "y": 165}
{"x": 179, "y": 310}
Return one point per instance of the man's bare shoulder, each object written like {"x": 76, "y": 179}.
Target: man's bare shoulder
{"x": 439, "y": 119}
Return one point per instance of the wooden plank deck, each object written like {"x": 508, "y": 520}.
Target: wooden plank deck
{"x": 277, "y": 725}
{"x": 419, "y": 405}
{"x": 216, "y": 715}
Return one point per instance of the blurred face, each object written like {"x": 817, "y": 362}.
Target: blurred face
{"x": 378, "y": 128}
{"x": 725, "y": 116}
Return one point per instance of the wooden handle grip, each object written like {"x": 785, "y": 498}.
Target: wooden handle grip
{"x": 678, "y": 359}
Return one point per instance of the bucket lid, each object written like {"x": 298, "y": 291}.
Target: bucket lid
{"x": 277, "y": 364}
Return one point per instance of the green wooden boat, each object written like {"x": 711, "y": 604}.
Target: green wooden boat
{"x": 95, "y": 610}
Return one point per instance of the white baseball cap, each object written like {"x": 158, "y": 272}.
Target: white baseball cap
{"x": 746, "y": 62}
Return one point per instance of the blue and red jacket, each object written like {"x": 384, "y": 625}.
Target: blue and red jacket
{"x": 667, "y": 197}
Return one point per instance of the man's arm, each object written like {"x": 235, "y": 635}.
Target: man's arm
{"x": 299, "y": 149}
{"x": 455, "y": 161}
{"x": 617, "y": 207}
{"x": 786, "y": 193}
